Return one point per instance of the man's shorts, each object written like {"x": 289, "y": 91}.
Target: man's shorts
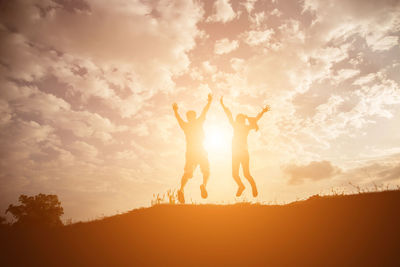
{"x": 194, "y": 159}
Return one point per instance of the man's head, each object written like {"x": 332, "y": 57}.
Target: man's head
{"x": 191, "y": 115}
{"x": 240, "y": 118}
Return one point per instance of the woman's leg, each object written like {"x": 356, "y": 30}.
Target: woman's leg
{"x": 235, "y": 174}
{"x": 246, "y": 171}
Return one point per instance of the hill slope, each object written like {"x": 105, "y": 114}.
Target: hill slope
{"x": 361, "y": 229}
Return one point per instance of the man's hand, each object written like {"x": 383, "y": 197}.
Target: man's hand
{"x": 209, "y": 98}
{"x": 175, "y": 107}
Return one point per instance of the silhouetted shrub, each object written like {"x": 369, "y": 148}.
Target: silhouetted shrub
{"x": 38, "y": 211}
{"x": 171, "y": 195}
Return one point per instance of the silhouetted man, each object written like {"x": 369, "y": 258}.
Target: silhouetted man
{"x": 195, "y": 152}
{"x": 240, "y": 153}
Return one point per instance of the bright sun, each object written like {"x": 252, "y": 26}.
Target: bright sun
{"x": 218, "y": 138}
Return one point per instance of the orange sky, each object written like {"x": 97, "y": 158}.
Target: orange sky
{"x": 87, "y": 87}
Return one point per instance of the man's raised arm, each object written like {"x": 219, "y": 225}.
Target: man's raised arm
{"x": 206, "y": 108}
{"x": 226, "y": 110}
{"x": 177, "y": 116}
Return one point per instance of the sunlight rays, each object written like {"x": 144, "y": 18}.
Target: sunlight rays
{"x": 218, "y": 139}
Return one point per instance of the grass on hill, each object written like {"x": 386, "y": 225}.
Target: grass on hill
{"x": 346, "y": 230}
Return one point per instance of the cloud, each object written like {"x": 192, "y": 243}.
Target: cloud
{"x": 315, "y": 171}
{"x": 85, "y": 152}
{"x": 122, "y": 40}
{"x": 208, "y": 67}
{"x": 223, "y": 12}
{"x": 390, "y": 173}
{"x": 377, "y": 97}
{"x": 276, "y": 12}
{"x": 237, "y": 64}
{"x": 72, "y": 73}
{"x": 224, "y": 46}
{"x": 373, "y": 21}
{"x": 5, "y": 113}
{"x": 249, "y": 5}
{"x": 258, "y": 19}
{"x": 87, "y": 87}
{"x": 382, "y": 169}
{"x": 345, "y": 74}
{"x": 254, "y": 38}
{"x": 384, "y": 43}
{"x": 365, "y": 79}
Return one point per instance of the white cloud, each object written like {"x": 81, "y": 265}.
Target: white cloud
{"x": 121, "y": 40}
{"x": 127, "y": 155}
{"x": 345, "y": 74}
{"x": 208, "y": 67}
{"x": 382, "y": 171}
{"x": 223, "y": 12}
{"x": 237, "y": 64}
{"x": 258, "y": 19}
{"x": 365, "y": 79}
{"x": 85, "y": 152}
{"x": 249, "y": 5}
{"x": 327, "y": 110}
{"x": 310, "y": 5}
{"x": 315, "y": 171}
{"x": 292, "y": 32}
{"x": 5, "y": 113}
{"x": 375, "y": 98}
{"x": 254, "y": 38}
{"x": 224, "y": 46}
{"x": 276, "y": 12}
{"x": 385, "y": 43}
{"x": 373, "y": 21}
{"x": 86, "y": 94}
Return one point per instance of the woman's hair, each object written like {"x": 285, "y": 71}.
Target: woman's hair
{"x": 253, "y": 123}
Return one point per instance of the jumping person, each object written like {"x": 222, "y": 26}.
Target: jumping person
{"x": 195, "y": 152}
{"x": 240, "y": 153}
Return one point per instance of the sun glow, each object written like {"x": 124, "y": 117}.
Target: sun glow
{"x": 218, "y": 138}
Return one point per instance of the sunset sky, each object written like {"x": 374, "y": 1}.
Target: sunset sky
{"x": 86, "y": 89}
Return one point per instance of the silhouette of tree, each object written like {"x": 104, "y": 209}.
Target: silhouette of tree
{"x": 39, "y": 211}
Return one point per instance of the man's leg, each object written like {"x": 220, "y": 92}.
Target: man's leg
{"x": 235, "y": 175}
{"x": 205, "y": 169}
{"x": 203, "y": 189}
{"x": 185, "y": 177}
{"x": 206, "y": 176}
{"x": 188, "y": 173}
{"x": 184, "y": 180}
{"x": 246, "y": 172}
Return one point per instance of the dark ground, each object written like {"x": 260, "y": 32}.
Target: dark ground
{"x": 354, "y": 230}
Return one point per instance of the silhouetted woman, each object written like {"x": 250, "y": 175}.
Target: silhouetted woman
{"x": 240, "y": 153}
